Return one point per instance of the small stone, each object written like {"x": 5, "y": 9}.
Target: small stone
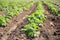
{"x": 51, "y": 23}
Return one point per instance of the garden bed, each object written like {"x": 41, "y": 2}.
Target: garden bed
{"x": 49, "y": 31}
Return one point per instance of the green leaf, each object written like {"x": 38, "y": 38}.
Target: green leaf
{"x": 2, "y": 21}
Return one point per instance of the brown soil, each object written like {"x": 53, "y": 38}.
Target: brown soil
{"x": 50, "y": 30}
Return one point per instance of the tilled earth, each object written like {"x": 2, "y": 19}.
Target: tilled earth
{"x": 50, "y": 30}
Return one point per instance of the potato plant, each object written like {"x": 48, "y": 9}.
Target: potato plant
{"x": 14, "y": 12}
{"x": 31, "y": 30}
{"x": 2, "y": 21}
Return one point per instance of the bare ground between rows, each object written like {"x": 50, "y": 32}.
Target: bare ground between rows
{"x": 13, "y": 23}
{"x": 47, "y": 32}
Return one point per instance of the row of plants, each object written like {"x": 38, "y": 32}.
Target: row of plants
{"x": 35, "y": 21}
{"x": 52, "y": 8}
{"x": 5, "y": 5}
{"x": 12, "y": 13}
{"x": 55, "y": 3}
{"x": 15, "y": 11}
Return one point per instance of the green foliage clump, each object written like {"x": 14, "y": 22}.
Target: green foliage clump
{"x": 14, "y": 12}
{"x": 31, "y": 30}
{"x": 2, "y": 21}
